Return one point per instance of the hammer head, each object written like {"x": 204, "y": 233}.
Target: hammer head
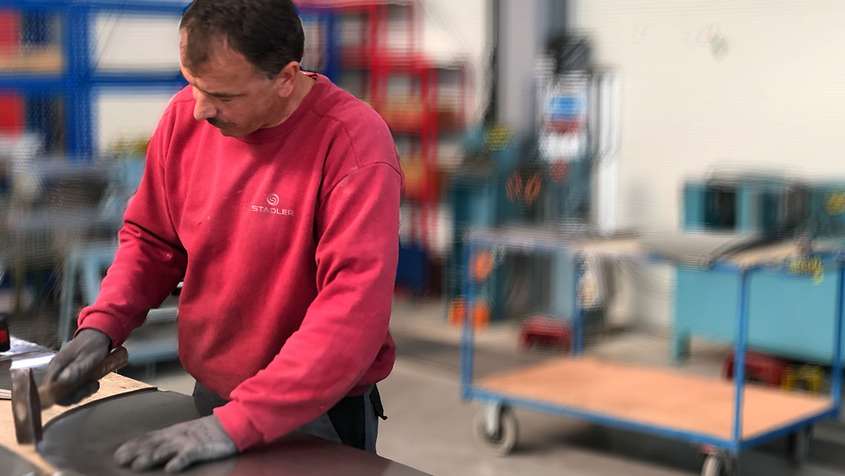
{"x": 26, "y": 407}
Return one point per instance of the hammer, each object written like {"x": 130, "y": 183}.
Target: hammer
{"x": 29, "y": 400}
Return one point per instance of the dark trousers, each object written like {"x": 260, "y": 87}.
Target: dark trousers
{"x": 352, "y": 421}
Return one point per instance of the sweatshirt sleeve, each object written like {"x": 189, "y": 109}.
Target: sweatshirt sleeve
{"x": 149, "y": 262}
{"x": 347, "y": 323}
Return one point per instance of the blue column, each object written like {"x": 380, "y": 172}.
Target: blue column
{"x": 76, "y": 45}
{"x": 836, "y": 379}
{"x": 332, "y": 46}
{"x": 739, "y": 360}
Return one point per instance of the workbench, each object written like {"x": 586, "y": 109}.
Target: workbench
{"x": 83, "y": 438}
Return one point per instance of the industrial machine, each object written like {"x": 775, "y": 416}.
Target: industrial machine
{"x": 789, "y": 317}
{"x": 542, "y": 181}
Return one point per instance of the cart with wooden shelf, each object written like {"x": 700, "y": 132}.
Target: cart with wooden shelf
{"x": 723, "y": 417}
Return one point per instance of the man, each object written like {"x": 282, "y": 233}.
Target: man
{"x": 274, "y": 196}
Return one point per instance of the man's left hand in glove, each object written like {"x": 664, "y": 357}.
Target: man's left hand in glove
{"x": 178, "y": 446}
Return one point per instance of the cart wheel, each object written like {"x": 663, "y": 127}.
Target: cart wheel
{"x": 798, "y": 445}
{"x": 503, "y": 439}
{"x": 718, "y": 465}
{"x": 712, "y": 466}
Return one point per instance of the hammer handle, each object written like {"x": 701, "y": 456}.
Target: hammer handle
{"x": 117, "y": 359}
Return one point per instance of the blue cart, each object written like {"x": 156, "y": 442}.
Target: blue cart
{"x": 722, "y": 417}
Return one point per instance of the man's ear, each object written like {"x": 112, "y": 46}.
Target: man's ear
{"x": 286, "y": 79}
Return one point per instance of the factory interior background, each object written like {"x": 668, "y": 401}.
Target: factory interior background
{"x": 612, "y": 210}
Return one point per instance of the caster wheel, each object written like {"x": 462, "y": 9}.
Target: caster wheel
{"x": 503, "y": 440}
{"x": 798, "y": 445}
{"x": 718, "y": 465}
{"x": 712, "y": 466}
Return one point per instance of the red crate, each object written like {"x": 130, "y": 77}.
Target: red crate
{"x": 759, "y": 367}
{"x": 541, "y": 331}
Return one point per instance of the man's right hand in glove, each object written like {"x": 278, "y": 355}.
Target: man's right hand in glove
{"x": 75, "y": 361}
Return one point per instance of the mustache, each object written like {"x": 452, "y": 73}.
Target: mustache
{"x": 216, "y": 122}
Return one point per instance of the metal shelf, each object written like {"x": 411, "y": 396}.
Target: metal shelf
{"x": 78, "y": 80}
{"x": 138, "y": 80}
{"x": 31, "y": 83}
{"x": 161, "y": 7}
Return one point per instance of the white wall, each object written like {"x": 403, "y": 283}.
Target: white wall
{"x": 747, "y": 83}
{"x": 129, "y": 42}
{"x": 459, "y": 30}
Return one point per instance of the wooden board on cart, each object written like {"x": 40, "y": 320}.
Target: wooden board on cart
{"x": 656, "y": 397}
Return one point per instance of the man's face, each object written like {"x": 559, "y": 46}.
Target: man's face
{"x": 230, "y": 93}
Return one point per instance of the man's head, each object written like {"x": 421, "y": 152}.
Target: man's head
{"x": 241, "y": 58}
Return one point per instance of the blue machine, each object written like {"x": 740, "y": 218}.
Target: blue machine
{"x": 477, "y": 198}
{"x": 758, "y": 203}
{"x": 541, "y": 181}
{"x": 789, "y": 316}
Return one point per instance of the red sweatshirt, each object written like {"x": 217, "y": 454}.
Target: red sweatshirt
{"x": 287, "y": 242}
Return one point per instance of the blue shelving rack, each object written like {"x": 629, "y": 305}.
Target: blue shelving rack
{"x": 79, "y": 80}
{"x": 326, "y": 17}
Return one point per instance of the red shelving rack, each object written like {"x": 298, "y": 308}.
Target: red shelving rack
{"x": 378, "y": 58}
{"x": 12, "y": 110}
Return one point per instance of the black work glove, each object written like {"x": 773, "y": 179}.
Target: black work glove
{"x": 73, "y": 364}
{"x": 177, "y": 446}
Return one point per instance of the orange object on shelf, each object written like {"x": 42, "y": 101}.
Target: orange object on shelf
{"x": 40, "y": 60}
{"x": 482, "y": 265}
{"x": 457, "y": 311}
{"x": 17, "y": 58}
{"x": 405, "y": 115}
{"x": 480, "y": 313}
{"x": 414, "y": 171}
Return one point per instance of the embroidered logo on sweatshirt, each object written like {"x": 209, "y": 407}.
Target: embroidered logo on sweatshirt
{"x": 273, "y": 209}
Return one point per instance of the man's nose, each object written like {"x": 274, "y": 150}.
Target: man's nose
{"x": 203, "y": 109}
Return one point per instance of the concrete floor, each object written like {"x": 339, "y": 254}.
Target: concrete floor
{"x": 431, "y": 429}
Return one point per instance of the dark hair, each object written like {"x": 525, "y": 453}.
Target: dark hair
{"x": 267, "y": 32}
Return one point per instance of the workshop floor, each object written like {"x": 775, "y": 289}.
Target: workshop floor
{"x": 430, "y": 428}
